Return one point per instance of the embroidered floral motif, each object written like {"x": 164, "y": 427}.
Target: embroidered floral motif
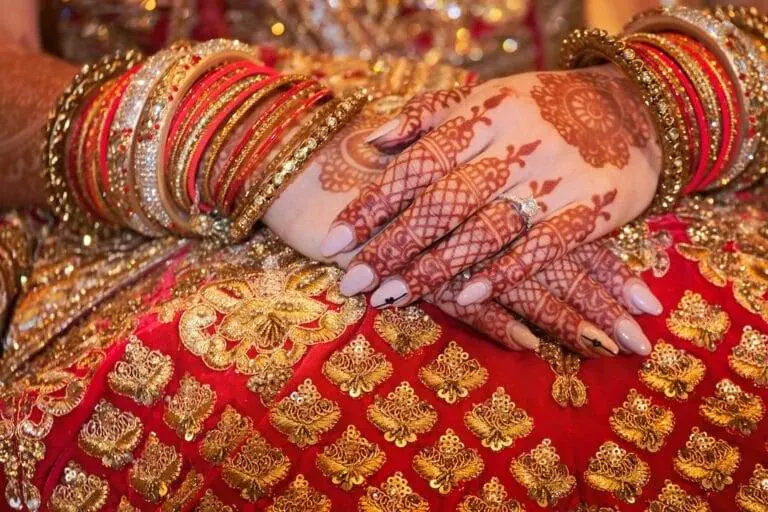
{"x": 300, "y": 496}
{"x": 707, "y": 461}
{"x": 255, "y": 469}
{"x": 674, "y": 499}
{"x": 230, "y": 431}
{"x": 541, "y": 472}
{"x": 749, "y": 358}
{"x": 567, "y": 389}
{"x": 394, "y": 495}
{"x": 406, "y": 329}
{"x": 615, "y": 470}
{"x": 78, "y": 491}
{"x": 452, "y": 375}
{"x": 733, "y": 409}
{"x": 493, "y": 499}
{"x": 125, "y": 506}
{"x": 154, "y": 471}
{"x": 671, "y": 371}
{"x": 141, "y": 374}
{"x": 498, "y": 421}
{"x": 753, "y": 496}
{"x": 304, "y": 415}
{"x": 402, "y": 415}
{"x": 350, "y": 460}
{"x": 111, "y": 435}
{"x": 697, "y": 321}
{"x": 211, "y": 503}
{"x": 641, "y": 422}
{"x": 357, "y": 368}
{"x": 642, "y": 250}
{"x": 185, "y": 493}
{"x": 189, "y": 407}
{"x": 448, "y": 463}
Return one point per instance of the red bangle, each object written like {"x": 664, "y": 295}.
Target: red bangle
{"x": 73, "y": 155}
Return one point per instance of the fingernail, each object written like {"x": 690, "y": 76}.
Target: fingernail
{"x": 631, "y": 336}
{"x": 393, "y": 292}
{"x": 357, "y": 279}
{"x": 337, "y": 239}
{"x": 523, "y": 336}
{"x": 382, "y": 130}
{"x": 473, "y": 293}
{"x": 596, "y": 341}
{"x": 643, "y": 298}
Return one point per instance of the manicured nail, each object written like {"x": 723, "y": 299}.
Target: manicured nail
{"x": 394, "y": 292}
{"x": 596, "y": 341}
{"x": 338, "y": 238}
{"x": 630, "y": 335}
{"x": 383, "y": 130}
{"x": 357, "y": 279}
{"x": 523, "y": 336}
{"x": 643, "y": 298}
{"x": 473, "y": 293}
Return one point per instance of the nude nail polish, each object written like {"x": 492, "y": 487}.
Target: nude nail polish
{"x": 523, "y": 336}
{"x": 393, "y": 292}
{"x": 630, "y": 335}
{"x": 338, "y": 238}
{"x": 639, "y": 295}
{"x": 596, "y": 341}
{"x": 383, "y": 130}
{"x": 474, "y": 293}
{"x": 357, "y": 279}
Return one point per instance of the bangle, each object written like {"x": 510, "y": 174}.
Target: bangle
{"x": 88, "y": 155}
{"x": 73, "y": 154}
{"x": 580, "y": 48}
{"x": 747, "y": 19}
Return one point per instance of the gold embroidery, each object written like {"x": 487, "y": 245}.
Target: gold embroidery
{"x": 185, "y": 493}
{"x": 642, "y": 250}
{"x": 707, "y": 461}
{"x": 671, "y": 371}
{"x": 641, "y": 422}
{"x": 189, "y": 407}
{"x": 141, "y": 374}
{"x": 125, "y": 505}
{"x": 498, "y": 421}
{"x": 255, "y": 469}
{"x": 406, "y": 329}
{"x": 448, "y": 463}
{"x": 674, "y": 499}
{"x": 402, "y": 415}
{"x": 753, "y": 496}
{"x": 301, "y": 497}
{"x": 697, "y": 321}
{"x": 350, "y": 460}
{"x": 78, "y": 491}
{"x": 749, "y": 358}
{"x": 304, "y": 415}
{"x": 452, "y": 375}
{"x": 153, "y": 472}
{"x": 541, "y": 472}
{"x": 357, "y": 368}
{"x": 228, "y": 434}
{"x": 567, "y": 389}
{"x": 111, "y": 435}
{"x": 211, "y": 503}
{"x": 733, "y": 409}
{"x": 493, "y": 499}
{"x": 394, "y": 495}
{"x": 615, "y": 470}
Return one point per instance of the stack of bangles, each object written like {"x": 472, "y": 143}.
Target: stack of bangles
{"x": 140, "y": 143}
{"x": 704, "y": 78}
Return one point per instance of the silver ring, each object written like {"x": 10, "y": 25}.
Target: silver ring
{"x": 466, "y": 274}
{"x": 527, "y": 207}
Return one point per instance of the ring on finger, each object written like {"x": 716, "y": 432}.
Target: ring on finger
{"x": 527, "y": 207}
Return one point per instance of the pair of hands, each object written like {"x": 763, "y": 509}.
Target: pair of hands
{"x": 579, "y": 144}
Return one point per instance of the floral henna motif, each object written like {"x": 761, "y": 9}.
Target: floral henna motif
{"x": 596, "y": 113}
{"x": 605, "y": 268}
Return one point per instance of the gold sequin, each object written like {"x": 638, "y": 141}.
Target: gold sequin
{"x": 452, "y": 375}
{"x": 671, "y": 371}
{"x": 185, "y": 493}
{"x": 448, "y": 463}
{"x": 673, "y": 498}
{"x": 753, "y": 495}
{"x": 230, "y": 431}
{"x": 406, "y": 329}
{"x": 154, "y": 471}
{"x": 546, "y": 478}
{"x": 111, "y": 435}
{"x": 255, "y": 469}
{"x": 301, "y": 497}
{"x": 733, "y": 409}
{"x": 125, "y": 506}
{"x": 357, "y": 368}
{"x": 749, "y": 358}
{"x": 567, "y": 389}
{"x": 350, "y": 460}
{"x": 394, "y": 495}
{"x": 209, "y": 502}
{"x": 641, "y": 422}
{"x": 707, "y": 461}
{"x": 141, "y": 374}
{"x": 492, "y": 499}
{"x": 402, "y": 415}
{"x": 615, "y": 470}
{"x": 498, "y": 422}
{"x": 304, "y": 415}
{"x": 697, "y": 321}
{"x": 189, "y": 407}
{"x": 78, "y": 491}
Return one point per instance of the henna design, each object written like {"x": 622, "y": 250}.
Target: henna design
{"x": 597, "y": 113}
{"x": 605, "y": 268}
{"x": 547, "y": 187}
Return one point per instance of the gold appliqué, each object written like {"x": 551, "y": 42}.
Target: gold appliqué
{"x": 301, "y": 497}
{"x": 707, "y": 461}
{"x": 357, "y": 368}
{"x": 189, "y": 407}
{"x": 110, "y": 435}
{"x": 402, "y": 415}
{"x": 615, "y": 470}
{"x": 406, "y": 329}
{"x": 394, "y": 495}
{"x": 448, "y": 463}
{"x": 749, "y": 358}
{"x": 567, "y": 389}
{"x": 673, "y": 498}
{"x": 154, "y": 471}
{"x": 255, "y": 469}
{"x": 78, "y": 491}
{"x": 452, "y": 375}
{"x": 141, "y": 374}
{"x": 642, "y": 250}
{"x": 209, "y": 502}
{"x": 541, "y": 472}
{"x": 185, "y": 493}
{"x": 350, "y": 460}
{"x": 230, "y": 431}
{"x": 733, "y": 409}
{"x": 304, "y": 415}
{"x": 125, "y": 505}
{"x": 642, "y": 423}
{"x": 753, "y": 496}
{"x": 697, "y": 321}
{"x": 498, "y": 421}
{"x": 493, "y": 499}
{"x": 671, "y": 371}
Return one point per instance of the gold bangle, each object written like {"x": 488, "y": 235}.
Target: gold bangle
{"x": 748, "y": 19}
